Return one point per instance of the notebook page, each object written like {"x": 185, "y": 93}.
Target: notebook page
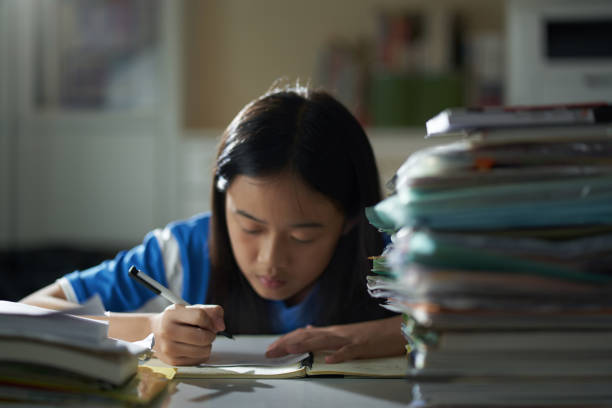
{"x": 247, "y": 350}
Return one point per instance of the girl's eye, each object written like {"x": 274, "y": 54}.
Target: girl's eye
{"x": 302, "y": 240}
{"x": 252, "y": 231}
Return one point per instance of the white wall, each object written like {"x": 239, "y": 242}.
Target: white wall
{"x": 393, "y": 146}
{"x": 196, "y": 159}
{"x": 92, "y": 188}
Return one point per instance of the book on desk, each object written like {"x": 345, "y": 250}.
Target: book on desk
{"x": 61, "y": 339}
{"x": 61, "y": 356}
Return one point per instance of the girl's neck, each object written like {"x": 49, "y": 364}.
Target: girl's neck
{"x": 300, "y": 296}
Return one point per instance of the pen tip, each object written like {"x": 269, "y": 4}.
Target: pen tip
{"x": 133, "y": 270}
{"x": 225, "y": 334}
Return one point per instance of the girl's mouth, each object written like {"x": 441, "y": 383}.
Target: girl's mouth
{"x": 271, "y": 283}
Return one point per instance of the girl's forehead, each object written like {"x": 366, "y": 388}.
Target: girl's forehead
{"x": 283, "y": 183}
{"x": 280, "y": 194}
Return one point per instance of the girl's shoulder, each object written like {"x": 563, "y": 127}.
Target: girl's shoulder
{"x": 195, "y": 227}
{"x": 191, "y": 236}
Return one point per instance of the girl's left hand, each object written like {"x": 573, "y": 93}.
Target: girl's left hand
{"x": 376, "y": 338}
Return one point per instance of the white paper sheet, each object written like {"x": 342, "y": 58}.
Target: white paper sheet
{"x": 247, "y": 351}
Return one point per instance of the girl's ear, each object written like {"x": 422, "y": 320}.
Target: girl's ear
{"x": 349, "y": 224}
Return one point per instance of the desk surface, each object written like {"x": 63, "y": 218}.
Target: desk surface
{"x": 284, "y": 393}
{"x": 381, "y": 393}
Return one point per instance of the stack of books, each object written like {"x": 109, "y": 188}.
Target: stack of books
{"x": 61, "y": 357}
{"x": 501, "y": 254}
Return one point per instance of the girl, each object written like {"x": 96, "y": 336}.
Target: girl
{"x": 284, "y": 249}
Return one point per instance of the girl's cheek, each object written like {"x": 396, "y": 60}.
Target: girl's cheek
{"x": 311, "y": 258}
{"x": 249, "y": 246}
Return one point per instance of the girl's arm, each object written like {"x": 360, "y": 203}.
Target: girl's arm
{"x": 50, "y": 297}
{"x": 125, "y": 326}
{"x": 183, "y": 335}
{"x": 376, "y": 338}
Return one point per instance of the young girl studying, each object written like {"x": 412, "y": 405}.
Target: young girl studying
{"x": 284, "y": 249}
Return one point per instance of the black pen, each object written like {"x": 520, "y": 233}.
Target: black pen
{"x": 164, "y": 292}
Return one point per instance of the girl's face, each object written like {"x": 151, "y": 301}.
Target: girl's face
{"x": 283, "y": 233}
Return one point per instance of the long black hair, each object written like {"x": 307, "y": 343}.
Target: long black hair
{"x": 312, "y": 135}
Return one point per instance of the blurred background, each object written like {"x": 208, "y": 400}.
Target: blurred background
{"x": 110, "y": 110}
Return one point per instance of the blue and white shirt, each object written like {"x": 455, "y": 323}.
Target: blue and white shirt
{"x": 177, "y": 257}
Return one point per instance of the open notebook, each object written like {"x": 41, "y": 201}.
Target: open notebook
{"x": 245, "y": 357}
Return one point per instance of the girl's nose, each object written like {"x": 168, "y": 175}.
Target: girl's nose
{"x": 273, "y": 253}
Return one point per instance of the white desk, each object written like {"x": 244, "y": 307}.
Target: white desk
{"x": 381, "y": 393}
{"x": 285, "y": 393}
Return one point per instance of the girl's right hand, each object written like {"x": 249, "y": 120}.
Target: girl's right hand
{"x": 184, "y": 334}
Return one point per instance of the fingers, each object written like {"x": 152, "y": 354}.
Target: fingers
{"x": 216, "y": 314}
{"x": 279, "y": 347}
{"x": 184, "y": 334}
{"x": 293, "y": 336}
{"x": 176, "y": 353}
{"x": 187, "y": 334}
{"x": 306, "y": 340}
{"x": 318, "y": 341}
{"x": 345, "y": 353}
{"x": 205, "y": 316}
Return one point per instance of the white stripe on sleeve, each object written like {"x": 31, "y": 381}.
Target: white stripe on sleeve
{"x": 173, "y": 267}
{"x": 68, "y": 290}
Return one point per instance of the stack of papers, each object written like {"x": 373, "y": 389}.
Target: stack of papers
{"x": 479, "y": 118}
{"x": 501, "y": 254}
{"x": 61, "y": 355}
